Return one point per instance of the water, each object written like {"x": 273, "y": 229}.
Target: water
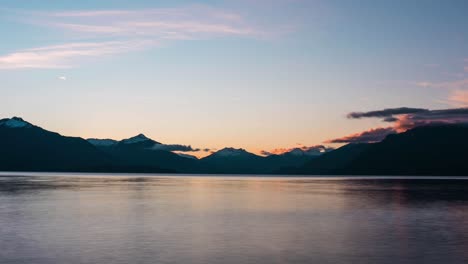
{"x": 171, "y": 219}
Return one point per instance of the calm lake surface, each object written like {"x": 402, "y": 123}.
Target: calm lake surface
{"x": 81, "y": 218}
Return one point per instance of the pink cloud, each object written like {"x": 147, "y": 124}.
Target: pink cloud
{"x": 65, "y": 55}
{"x": 459, "y": 98}
{"x": 369, "y": 136}
{"x": 119, "y": 31}
{"x": 404, "y": 118}
{"x": 194, "y": 21}
{"x": 456, "y": 84}
{"x": 432, "y": 117}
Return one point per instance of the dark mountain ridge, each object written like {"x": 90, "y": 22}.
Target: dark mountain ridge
{"x": 239, "y": 161}
{"x": 427, "y": 150}
{"x": 25, "y": 147}
{"x": 140, "y": 151}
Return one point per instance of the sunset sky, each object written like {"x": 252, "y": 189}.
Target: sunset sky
{"x": 251, "y": 74}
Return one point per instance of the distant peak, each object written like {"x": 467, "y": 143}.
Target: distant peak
{"x": 308, "y": 151}
{"x": 231, "y": 152}
{"x": 297, "y": 152}
{"x": 136, "y": 139}
{"x": 14, "y": 122}
{"x": 18, "y": 119}
{"x": 229, "y": 149}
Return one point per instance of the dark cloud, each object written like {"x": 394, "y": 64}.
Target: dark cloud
{"x": 390, "y": 119}
{"x": 370, "y": 136}
{"x": 404, "y": 118}
{"x": 175, "y": 147}
{"x": 385, "y": 113}
{"x": 433, "y": 117}
{"x": 407, "y": 118}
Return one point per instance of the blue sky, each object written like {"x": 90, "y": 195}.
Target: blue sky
{"x": 254, "y": 74}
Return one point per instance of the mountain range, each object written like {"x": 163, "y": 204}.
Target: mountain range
{"x": 428, "y": 150}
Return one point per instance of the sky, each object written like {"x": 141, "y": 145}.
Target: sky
{"x": 255, "y": 74}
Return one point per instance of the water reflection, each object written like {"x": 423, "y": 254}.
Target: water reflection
{"x": 136, "y": 219}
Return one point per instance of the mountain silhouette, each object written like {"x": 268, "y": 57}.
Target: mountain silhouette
{"x": 26, "y": 147}
{"x": 140, "y": 151}
{"x": 239, "y": 161}
{"x": 233, "y": 161}
{"x": 427, "y": 150}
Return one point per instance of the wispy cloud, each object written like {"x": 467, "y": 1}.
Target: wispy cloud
{"x": 191, "y": 22}
{"x": 457, "y": 89}
{"x": 460, "y": 83}
{"x": 459, "y": 98}
{"x": 455, "y": 84}
{"x": 119, "y": 31}
{"x": 67, "y": 55}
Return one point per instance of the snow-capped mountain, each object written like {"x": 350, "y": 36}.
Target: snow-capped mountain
{"x": 37, "y": 149}
{"x": 26, "y": 147}
{"x": 231, "y": 152}
{"x": 301, "y": 152}
{"x": 308, "y": 151}
{"x": 14, "y": 122}
{"x": 297, "y": 152}
{"x": 137, "y": 139}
